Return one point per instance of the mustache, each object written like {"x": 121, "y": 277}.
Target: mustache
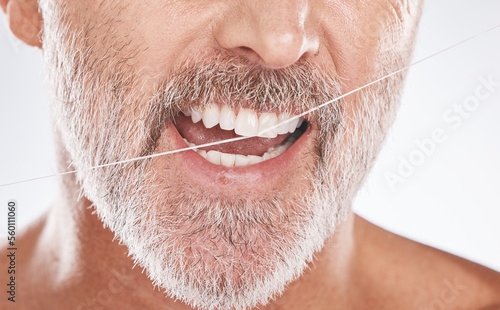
{"x": 235, "y": 81}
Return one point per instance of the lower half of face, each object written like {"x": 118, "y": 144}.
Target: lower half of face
{"x": 227, "y": 225}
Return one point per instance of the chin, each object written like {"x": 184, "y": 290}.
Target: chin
{"x": 214, "y": 248}
{"x": 218, "y": 253}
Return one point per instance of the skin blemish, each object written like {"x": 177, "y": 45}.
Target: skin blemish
{"x": 222, "y": 179}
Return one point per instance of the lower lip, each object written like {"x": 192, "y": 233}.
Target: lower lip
{"x": 221, "y": 179}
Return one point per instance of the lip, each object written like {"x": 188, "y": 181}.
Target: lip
{"x": 256, "y": 178}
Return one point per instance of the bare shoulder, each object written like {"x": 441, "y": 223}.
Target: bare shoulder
{"x": 425, "y": 277}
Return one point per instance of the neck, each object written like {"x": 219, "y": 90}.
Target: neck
{"x": 93, "y": 270}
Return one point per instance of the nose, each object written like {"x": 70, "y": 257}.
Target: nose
{"x": 272, "y": 33}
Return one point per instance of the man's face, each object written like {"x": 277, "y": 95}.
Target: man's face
{"x": 227, "y": 225}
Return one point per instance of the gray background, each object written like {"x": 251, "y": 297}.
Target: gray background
{"x": 451, "y": 199}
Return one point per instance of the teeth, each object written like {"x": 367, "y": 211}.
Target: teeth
{"x": 227, "y": 159}
{"x": 211, "y": 116}
{"x": 280, "y": 149}
{"x": 247, "y": 123}
{"x": 189, "y": 143}
{"x": 283, "y": 128}
{"x": 252, "y": 159}
{"x": 292, "y": 125}
{"x": 241, "y": 160}
{"x": 214, "y": 157}
{"x": 196, "y": 115}
{"x": 237, "y": 160}
{"x": 227, "y": 118}
{"x": 267, "y": 121}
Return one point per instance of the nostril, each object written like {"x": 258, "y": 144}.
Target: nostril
{"x": 247, "y": 53}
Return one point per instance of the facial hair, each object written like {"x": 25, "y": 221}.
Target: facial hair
{"x": 210, "y": 252}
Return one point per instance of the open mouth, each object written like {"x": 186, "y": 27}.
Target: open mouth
{"x": 216, "y": 122}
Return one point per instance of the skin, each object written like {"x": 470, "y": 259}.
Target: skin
{"x": 75, "y": 260}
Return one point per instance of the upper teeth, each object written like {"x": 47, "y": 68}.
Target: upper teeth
{"x": 246, "y": 123}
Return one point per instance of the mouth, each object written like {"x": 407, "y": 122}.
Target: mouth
{"x": 273, "y": 159}
{"x": 268, "y": 134}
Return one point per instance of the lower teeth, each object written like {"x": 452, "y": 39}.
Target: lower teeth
{"x": 237, "y": 160}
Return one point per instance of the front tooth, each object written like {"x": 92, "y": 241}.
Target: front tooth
{"x": 227, "y": 118}
{"x": 292, "y": 125}
{"x": 241, "y": 160}
{"x": 213, "y": 157}
{"x": 187, "y": 113}
{"x": 267, "y": 121}
{"x": 247, "y": 123}
{"x": 196, "y": 114}
{"x": 227, "y": 159}
{"x": 252, "y": 159}
{"x": 283, "y": 128}
{"x": 211, "y": 116}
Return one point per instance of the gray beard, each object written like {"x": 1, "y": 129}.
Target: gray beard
{"x": 209, "y": 252}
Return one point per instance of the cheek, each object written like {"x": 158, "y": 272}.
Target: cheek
{"x": 357, "y": 34}
{"x": 170, "y": 32}
{"x": 148, "y": 37}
